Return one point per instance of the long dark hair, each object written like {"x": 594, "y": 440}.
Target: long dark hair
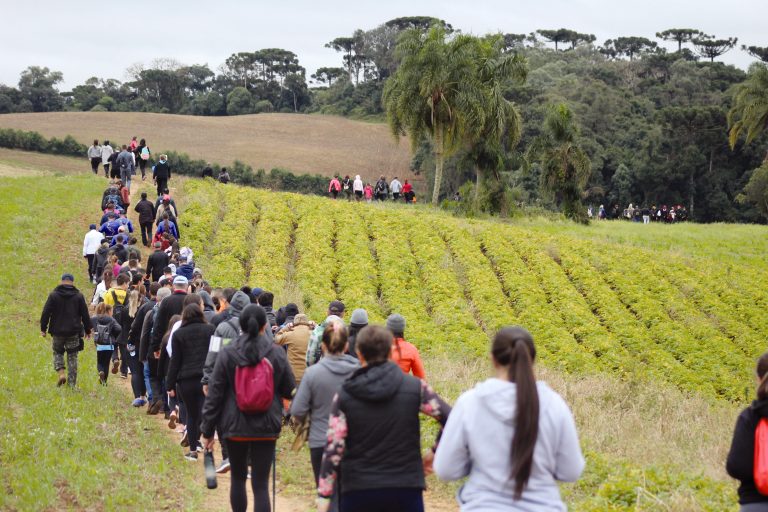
{"x": 762, "y": 374}
{"x": 192, "y": 314}
{"x": 513, "y": 347}
{"x": 252, "y": 319}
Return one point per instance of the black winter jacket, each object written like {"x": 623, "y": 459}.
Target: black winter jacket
{"x": 102, "y": 253}
{"x": 171, "y": 305}
{"x": 146, "y": 332}
{"x": 156, "y": 262}
{"x": 134, "y": 336}
{"x": 146, "y": 211}
{"x": 740, "y": 463}
{"x": 121, "y": 252}
{"x": 162, "y": 171}
{"x": 221, "y": 404}
{"x": 189, "y": 346}
{"x": 65, "y": 312}
{"x": 383, "y": 445}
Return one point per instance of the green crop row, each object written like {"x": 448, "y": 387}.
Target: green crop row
{"x": 316, "y": 264}
{"x": 270, "y": 255}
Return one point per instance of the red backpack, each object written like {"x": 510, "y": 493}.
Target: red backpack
{"x": 761, "y": 457}
{"x": 255, "y": 386}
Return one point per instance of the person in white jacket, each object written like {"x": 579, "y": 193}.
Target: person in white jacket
{"x": 106, "y": 152}
{"x": 91, "y": 244}
{"x": 513, "y": 436}
{"x": 396, "y": 187}
{"x": 357, "y": 187}
{"x": 94, "y": 155}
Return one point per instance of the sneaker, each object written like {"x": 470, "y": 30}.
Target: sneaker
{"x": 123, "y": 375}
{"x": 199, "y": 449}
{"x": 172, "y": 419}
{"x": 139, "y": 402}
{"x": 185, "y": 439}
{"x": 115, "y": 366}
{"x": 102, "y": 378}
{"x": 223, "y": 467}
{"x": 154, "y": 407}
{"x": 191, "y": 456}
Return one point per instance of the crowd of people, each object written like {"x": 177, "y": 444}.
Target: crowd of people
{"x": 644, "y": 214}
{"x": 227, "y": 364}
{"x": 358, "y": 190}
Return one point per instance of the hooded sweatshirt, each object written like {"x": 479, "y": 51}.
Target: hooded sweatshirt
{"x": 209, "y": 309}
{"x": 319, "y": 385}
{"x": 226, "y": 332}
{"x": 740, "y": 463}
{"x": 478, "y": 438}
{"x": 221, "y": 403}
{"x": 65, "y": 313}
{"x": 374, "y": 431}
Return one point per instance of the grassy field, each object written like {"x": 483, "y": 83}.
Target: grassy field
{"x": 640, "y": 328}
{"x": 62, "y": 449}
{"x": 299, "y": 143}
{"x": 649, "y": 333}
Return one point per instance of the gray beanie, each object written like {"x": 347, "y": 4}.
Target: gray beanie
{"x": 396, "y": 323}
{"x": 359, "y": 317}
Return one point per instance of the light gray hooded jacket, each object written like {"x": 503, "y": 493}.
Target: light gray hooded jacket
{"x": 477, "y": 442}
{"x": 225, "y": 333}
{"x": 319, "y": 385}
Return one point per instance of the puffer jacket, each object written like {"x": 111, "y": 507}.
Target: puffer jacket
{"x": 221, "y": 404}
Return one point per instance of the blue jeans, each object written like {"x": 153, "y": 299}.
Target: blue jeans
{"x": 146, "y": 381}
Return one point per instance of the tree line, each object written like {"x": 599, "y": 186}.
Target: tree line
{"x": 634, "y": 122}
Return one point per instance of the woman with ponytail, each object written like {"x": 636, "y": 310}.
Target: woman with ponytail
{"x": 510, "y": 413}
{"x": 740, "y": 463}
{"x": 254, "y": 433}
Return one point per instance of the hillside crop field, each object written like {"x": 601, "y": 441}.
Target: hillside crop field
{"x": 295, "y": 142}
{"x": 636, "y": 320}
{"x": 650, "y": 333}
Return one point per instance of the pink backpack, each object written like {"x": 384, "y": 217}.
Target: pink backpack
{"x": 255, "y": 387}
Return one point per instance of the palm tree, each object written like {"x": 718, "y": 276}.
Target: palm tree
{"x": 503, "y": 124}
{"x": 435, "y": 93}
{"x": 749, "y": 114}
{"x": 565, "y": 168}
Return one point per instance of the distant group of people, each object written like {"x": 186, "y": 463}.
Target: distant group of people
{"x": 221, "y": 177}
{"x": 121, "y": 163}
{"x": 356, "y": 189}
{"x": 644, "y": 214}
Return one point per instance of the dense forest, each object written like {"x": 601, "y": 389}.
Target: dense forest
{"x": 641, "y": 124}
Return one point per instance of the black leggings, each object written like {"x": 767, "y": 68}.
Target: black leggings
{"x": 192, "y": 394}
{"x": 102, "y": 362}
{"x": 262, "y": 453}
{"x": 383, "y": 500}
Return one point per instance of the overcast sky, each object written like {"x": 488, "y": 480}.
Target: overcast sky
{"x": 83, "y": 39}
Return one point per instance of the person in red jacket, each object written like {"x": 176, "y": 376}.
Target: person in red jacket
{"x": 408, "y": 192}
{"x": 403, "y": 353}
{"x": 335, "y": 187}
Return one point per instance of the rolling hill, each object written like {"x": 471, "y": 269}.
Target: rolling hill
{"x": 296, "y": 142}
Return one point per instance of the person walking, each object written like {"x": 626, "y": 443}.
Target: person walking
{"x": 189, "y": 347}
{"x": 157, "y": 262}
{"x": 374, "y": 436}
{"x": 396, "y": 188}
{"x": 208, "y": 171}
{"x": 358, "y": 187}
{"x": 741, "y": 456}
{"x": 106, "y": 155}
{"x": 294, "y": 337}
{"x": 173, "y": 305}
{"x": 404, "y": 354}
{"x": 105, "y": 333}
{"x": 512, "y": 436}
{"x": 223, "y": 176}
{"x": 65, "y": 317}
{"x": 381, "y": 190}
{"x": 357, "y": 322}
{"x": 161, "y": 173}
{"x": 127, "y": 166}
{"x": 117, "y": 297}
{"x": 248, "y": 433}
{"x": 314, "y": 350}
{"x": 408, "y": 192}
{"x": 318, "y": 388}
{"x": 136, "y": 299}
{"x": 368, "y": 193}
{"x": 94, "y": 155}
{"x": 91, "y": 244}
{"x": 146, "y": 210}
{"x": 346, "y": 186}
{"x": 334, "y": 187}
{"x": 142, "y": 157}
{"x": 133, "y": 144}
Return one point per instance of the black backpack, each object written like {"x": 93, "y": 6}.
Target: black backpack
{"x": 102, "y": 335}
{"x": 120, "y": 311}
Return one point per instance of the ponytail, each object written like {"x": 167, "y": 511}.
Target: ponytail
{"x": 335, "y": 337}
{"x": 513, "y": 348}
{"x": 762, "y": 374}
